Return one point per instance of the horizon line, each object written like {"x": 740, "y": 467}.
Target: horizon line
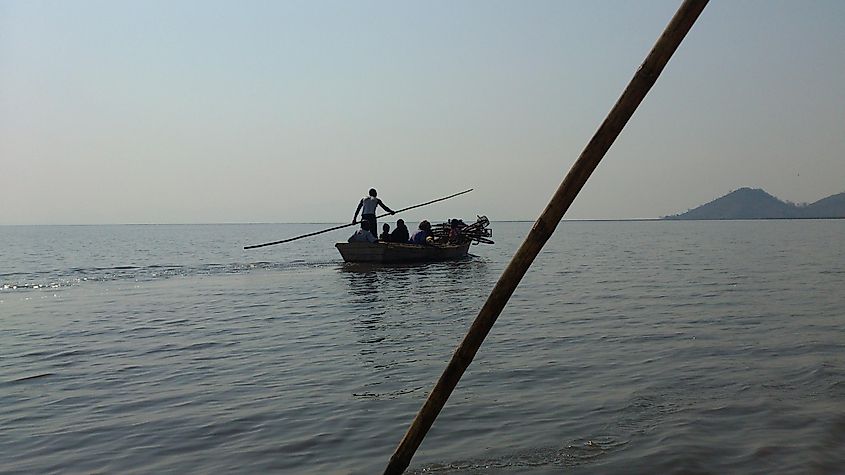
{"x": 304, "y": 222}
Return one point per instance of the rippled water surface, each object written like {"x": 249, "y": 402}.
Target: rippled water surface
{"x": 629, "y": 347}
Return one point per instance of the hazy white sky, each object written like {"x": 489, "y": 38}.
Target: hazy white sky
{"x": 203, "y": 111}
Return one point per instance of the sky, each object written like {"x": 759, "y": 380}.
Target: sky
{"x": 289, "y": 111}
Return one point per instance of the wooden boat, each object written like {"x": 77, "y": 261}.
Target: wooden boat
{"x": 394, "y": 252}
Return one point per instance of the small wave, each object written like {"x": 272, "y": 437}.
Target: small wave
{"x": 64, "y": 354}
{"x": 30, "y": 378}
{"x": 386, "y": 395}
{"x": 208, "y": 344}
{"x": 576, "y": 453}
{"x": 30, "y": 354}
{"x": 62, "y": 278}
{"x": 166, "y": 348}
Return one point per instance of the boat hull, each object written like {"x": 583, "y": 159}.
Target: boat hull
{"x": 392, "y": 252}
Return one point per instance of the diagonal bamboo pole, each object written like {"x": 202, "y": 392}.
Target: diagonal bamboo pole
{"x": 543, "y": 228}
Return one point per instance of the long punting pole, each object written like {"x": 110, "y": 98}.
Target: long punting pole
{"x": 595, "y": 150}
{"x": 352, "y": 224}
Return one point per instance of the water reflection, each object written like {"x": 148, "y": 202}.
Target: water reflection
{"x": 406, "y": 286}
{"x": 399, "y": 310}
{"x": 373, "y": 291}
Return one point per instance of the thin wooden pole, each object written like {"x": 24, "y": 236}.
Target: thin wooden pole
{"x": 354, "y": 223}
{"x": 543, "y": 228}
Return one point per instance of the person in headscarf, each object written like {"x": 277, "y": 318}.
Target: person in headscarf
{"x": 423, "y": 234}
{"x": 400, "y": 234}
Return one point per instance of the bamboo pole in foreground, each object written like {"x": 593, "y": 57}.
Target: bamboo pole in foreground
{"x": 543, "y": 228}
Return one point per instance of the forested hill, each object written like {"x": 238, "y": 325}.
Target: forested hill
{"x": 748, "y": 203}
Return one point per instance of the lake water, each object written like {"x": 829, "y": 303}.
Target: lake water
{"x": 629, "y": 347}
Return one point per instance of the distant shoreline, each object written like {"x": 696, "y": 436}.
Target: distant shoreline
{"x": 751, "y": 203}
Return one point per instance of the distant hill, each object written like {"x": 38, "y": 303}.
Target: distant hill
{"x": 749, "y": 203}
{"x": 830, "y": 207}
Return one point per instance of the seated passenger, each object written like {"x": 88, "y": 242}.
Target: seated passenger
{"x": 455, "y": 231}
{"x": 363, "y": 234}
{"x": 400, "y": 234}
{"x": 423, "y": 234}
{"x": 385, "y": 233}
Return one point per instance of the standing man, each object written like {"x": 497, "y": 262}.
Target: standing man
{"x": 368, "y": 205}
